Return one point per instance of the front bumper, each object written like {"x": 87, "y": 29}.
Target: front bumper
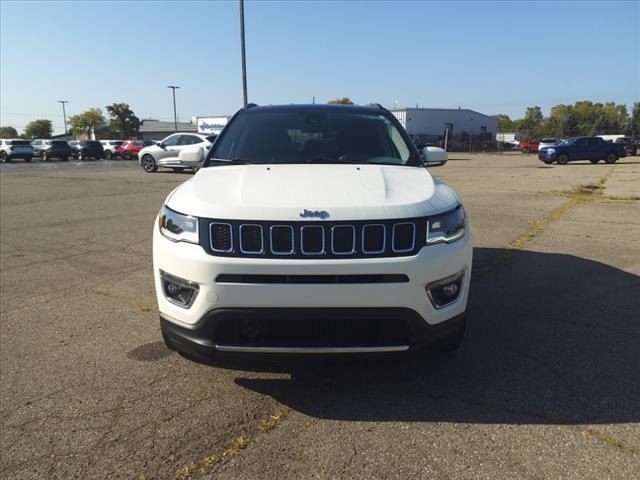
{"x": 211, "y": 333}
{"x": 545, "y": 155}
{"x": 407, "y": 302}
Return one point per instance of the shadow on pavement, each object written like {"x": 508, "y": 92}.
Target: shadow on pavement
{"x": 551, "y": 338}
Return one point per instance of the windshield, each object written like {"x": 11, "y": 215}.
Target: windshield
{"x": 548, "y": 140}
{"x": 308, "y": 136}
{"x": 568, "y": 141}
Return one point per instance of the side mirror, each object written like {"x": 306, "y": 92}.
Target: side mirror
{"x": 434, "y": 156}
{"x": 161, "y": 145}
{"x": 190, "y": 156}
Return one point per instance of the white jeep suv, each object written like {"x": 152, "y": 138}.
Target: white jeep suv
{"x": 313, "y": 229}
{"x": 167, "y": 152}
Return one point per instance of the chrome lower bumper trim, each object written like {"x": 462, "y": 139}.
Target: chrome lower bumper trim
{"x": 247, "y": 349}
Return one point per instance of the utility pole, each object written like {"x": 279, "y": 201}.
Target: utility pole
{"x": 175, "y": 117}
{"x": 244, "y": 60}
{"x": 64, "y": 117}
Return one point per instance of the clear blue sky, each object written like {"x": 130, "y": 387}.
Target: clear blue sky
{"x": 494, "y": 57}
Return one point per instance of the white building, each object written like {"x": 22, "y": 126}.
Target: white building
{"x": 460, "y": 126}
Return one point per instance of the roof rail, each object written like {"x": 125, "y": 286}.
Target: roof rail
{"x": 376, "y": 105}
{"x": 250, "y": 105}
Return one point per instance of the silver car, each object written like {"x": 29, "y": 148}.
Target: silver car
{"x": 547, "y": 142}
{"x": 12, "y": 148}
{"x": 166, "y": 153}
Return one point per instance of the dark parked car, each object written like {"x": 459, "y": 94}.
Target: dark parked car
{"x": 85, "y": 149}
{"x": 49, "y": 149}
{"x": 593, "y": 149}
{"x": 630, "y": 145}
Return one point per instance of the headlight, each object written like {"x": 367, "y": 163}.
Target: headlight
{"x": 551, "y": 150}
{"x": 447, "y": 227}
{"x": 178, "y": 227}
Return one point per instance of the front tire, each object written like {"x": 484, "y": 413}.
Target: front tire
{"x": 611, "y": 157}
{"x": 45, "y": 157}
{"x": 108, "y": 155}
{"x": 563, "y": 158}
{"x": 525, "y": 150}
{"x": 79, "y": 155}
{"x": 149, "y": 164}
{"x": 127, "y": 156}
{"x": 4, "y": 157}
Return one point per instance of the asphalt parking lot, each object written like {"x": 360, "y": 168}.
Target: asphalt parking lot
{"x": 546, "y": 385}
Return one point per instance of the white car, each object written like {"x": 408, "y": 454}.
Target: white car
{"x": 313, "y": 229}
{"x": 547, "y": 142}
{"x": 111, "y": 148}
{"x": 12, "y": 148}
{"x": 167, "y": 152}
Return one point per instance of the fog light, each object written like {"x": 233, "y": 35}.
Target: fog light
{"x": 177, "y": 290}
{"x": 445, "y": 291}
{"x": 450, "y": 290}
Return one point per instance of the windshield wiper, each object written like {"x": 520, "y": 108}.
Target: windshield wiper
{"x": 234, "y": 161}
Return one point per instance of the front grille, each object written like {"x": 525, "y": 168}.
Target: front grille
{"x": 313, "y": 240}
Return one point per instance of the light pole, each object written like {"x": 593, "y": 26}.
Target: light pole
{"x": 64, "y": 117}
{"x": 244, "y": 60}
{"x": 175, "y": 117}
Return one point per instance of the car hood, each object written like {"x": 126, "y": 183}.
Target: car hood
{"x": 282, "y": 192}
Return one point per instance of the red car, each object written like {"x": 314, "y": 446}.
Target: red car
{"x": 529, "y": 147}
{"x": 131, "y": 148}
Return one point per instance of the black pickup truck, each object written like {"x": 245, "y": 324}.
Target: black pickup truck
{"x": 593, "y": 149}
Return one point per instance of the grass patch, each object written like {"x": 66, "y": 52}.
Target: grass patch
{"x": 200, "y": 469}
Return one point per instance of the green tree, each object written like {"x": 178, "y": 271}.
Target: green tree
{"x": 8, "y": 132}
{"x": 82, "y": 123}
{"x": 505, "y": 124}
{"x": 569, "y": 125}
{"x": 38, "y": 129}
{"x": 123, "y": 120}
{"x": 341, "y": 101}
{"x": 532, "y": 120}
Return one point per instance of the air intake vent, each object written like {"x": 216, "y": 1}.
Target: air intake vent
{"x": 312, "y": 239}
{"x": 343, "y": 239}
{"x": 282, "y": 240}
{"x": 221, "y": 237}
{"x": 251, "y": 239}
{"x": 403, "y": 237}
{"x": 373, "y": 239}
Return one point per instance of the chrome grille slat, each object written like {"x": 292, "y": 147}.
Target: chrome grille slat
{"x": 396, "y": 234}
{"x": 364, "y": 237}
{"x": 271, "y": 242}
{"x": 304, "y": 250}
{"x": 213, "y": 240}
{"x": 243, "y": 249}
{"x": 335, "y": 229}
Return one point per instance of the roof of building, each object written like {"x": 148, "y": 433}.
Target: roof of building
{"x": 150, "y": 126}
{"x": 442, "y": 110}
